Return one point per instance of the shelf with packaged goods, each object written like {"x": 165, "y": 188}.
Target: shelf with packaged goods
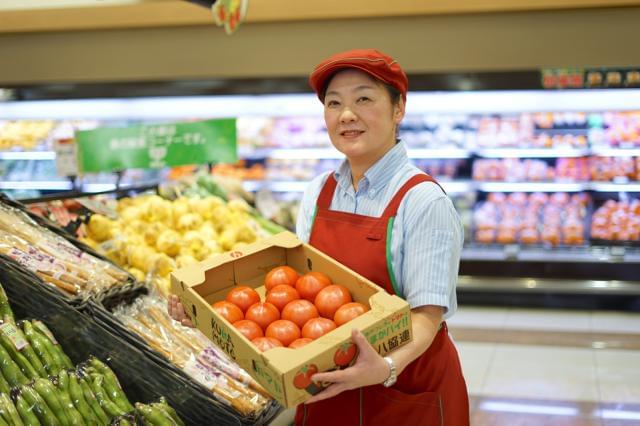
{"x": 451, "y": 187}
{"x": 27, "y": 155}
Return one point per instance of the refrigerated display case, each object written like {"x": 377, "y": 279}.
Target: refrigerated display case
{"x": 547, "y": 182}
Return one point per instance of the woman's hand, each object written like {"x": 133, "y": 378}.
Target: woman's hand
{"x": 369, "y": 369}
{"x": 176, "y": 311}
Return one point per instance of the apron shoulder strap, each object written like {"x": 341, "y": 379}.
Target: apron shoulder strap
{"x": 326, "y": 194}
{"x": 392, "y": 207}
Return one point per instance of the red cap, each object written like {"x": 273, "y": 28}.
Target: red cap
{"x": 375, "y": 63}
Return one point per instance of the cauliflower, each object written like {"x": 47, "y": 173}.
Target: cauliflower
{"x": 169, "y": 242}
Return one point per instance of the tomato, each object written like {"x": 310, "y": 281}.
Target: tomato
{"x": 265, "y": 343}
{"x": 280, "y": 275}
{"x": 330, "y": 299}
{"x": 283, "y": 330}
{"x": 302, "y": 379}
{"x": 310, "y": 284}
{"x": 249, "y": 329}
{"x": 243, "y": 297}
{"x": 349, "y": 311}
{"x": 282, "y": 294}
{"x": 300, "y": 311}
{"x": 345, "y": 354}
{"x": 263, "y": 314}
{"x": 228, "y": 310}
{"x": 298, "y": 343}
{"x": 317, "y": 327}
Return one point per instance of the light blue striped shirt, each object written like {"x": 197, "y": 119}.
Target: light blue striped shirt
{"x": 427, "y": 232}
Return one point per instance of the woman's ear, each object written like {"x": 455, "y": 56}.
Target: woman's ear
{"x": 398, "y": 111}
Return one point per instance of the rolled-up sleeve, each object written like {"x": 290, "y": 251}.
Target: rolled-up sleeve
{"x": 429, "y": 253}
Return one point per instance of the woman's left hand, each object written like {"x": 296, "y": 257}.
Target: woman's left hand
{"x": 369, "y": 369}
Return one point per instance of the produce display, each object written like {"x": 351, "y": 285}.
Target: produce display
{"x": 40, "y": 385}
{"x": 538, "y": 218}
{"x": 153, "y": 235}
{"x": 617, "y": 221}
{"x": 54, "y": 259}
{"x": 191, "y": 351}
{"x": 24, "y": 135}
{"x": 297, "y": 309}
{"x": 531, "y": 170}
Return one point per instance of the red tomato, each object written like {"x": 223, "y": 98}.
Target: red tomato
{"x": 331, "y": 298}
{"x": 302, "y": 378}
{"x": 283, "y": 330}
{"x": 298, "y": 343}
{"x": 345, "y": 354}
{"x": 300, "y": 311}
{"x": 262, "y": 314}
{"x": 243, "y": 297}
{"x": 265, "y": 343}
{"x": 317, "y": 327}
{"x": 249, "y": 329}
{"x": 349, "y": 311}
{"x": 310, "y": 284}
{"x": 280, "y": 275}
{"x": 228, "y": 310}
{"x": 282, "y": 294}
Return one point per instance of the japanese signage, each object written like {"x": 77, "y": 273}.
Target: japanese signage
{"x": 157, "y": 146}
{"x": 590, "y": 78}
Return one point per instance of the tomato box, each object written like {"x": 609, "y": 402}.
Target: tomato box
{"x": 285, "y": 372}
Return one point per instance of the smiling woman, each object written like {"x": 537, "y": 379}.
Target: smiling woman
{"x": 393, "y": 224}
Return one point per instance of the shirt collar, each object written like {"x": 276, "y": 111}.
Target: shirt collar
{"x": 380, "y": 173}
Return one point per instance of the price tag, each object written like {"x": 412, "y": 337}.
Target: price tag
{"x": 617, "y": 254}
{"x": 511, "y": 251}
{"x": 17, "y": 338}
{"x": 66, "y": 157}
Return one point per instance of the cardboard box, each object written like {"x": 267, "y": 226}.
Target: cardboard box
{"x": 285, "y": 372}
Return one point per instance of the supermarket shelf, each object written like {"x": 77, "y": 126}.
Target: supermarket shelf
{"x": 53, "y": 185}
{"x": 531, "y": 187}
{"x": 615, "y": 187}
{"x": 27, "y": 155}
{"x": 605, "y": 151}
{"x": 531, "y": 153}
{"x": 582, "y": 254}
{"x": 331, "y": 153}
{"x": 305, "y": 153}
{"x": 543, "y": 285}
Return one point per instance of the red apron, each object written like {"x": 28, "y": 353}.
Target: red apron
{"x": 431, "y": 390}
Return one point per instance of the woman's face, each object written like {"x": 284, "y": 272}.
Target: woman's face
{"x": 360, "y": 118}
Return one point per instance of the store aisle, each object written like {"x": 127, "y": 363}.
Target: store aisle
{"x": 550, "y": 367}
{"x": 542, "y": 367}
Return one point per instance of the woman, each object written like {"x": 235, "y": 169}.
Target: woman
{"x": 390, "y": 222}
{"x": 393, "y": 224}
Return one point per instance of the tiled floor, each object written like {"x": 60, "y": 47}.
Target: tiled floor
{"x": 547, "y": 367}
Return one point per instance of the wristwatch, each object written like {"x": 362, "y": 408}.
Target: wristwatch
{"x": 391, "y": 380}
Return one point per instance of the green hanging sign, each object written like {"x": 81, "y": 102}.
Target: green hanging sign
{"x": 157, "y": 146}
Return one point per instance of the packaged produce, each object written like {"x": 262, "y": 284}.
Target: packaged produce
{"x": 54, "y": 259}
{"x": 191, "y": 351}
{"x": 268, "y": 343}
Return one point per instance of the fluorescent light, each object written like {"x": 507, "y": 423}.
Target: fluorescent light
{"x": 98, "y": 187}
{"x": 531, "y": 187}
{"x": 190, "y": 107}
{"x": 27, "y": 155}
{"x": 438, "y": 153}
{"x": 618, "y": 414}
{"x": 615, "y": 187}
{"x": 44, "y": 185}
{"x": 456, "y": 187}
{"x": 605, "y": 151}
{"x": 510, "y": 407}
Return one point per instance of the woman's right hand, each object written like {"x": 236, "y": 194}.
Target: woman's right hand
{"x": 176, "y": 311}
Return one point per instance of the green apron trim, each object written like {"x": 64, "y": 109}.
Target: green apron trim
{"x": 313, "y": 221}
{"x": 392, "y": 275}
